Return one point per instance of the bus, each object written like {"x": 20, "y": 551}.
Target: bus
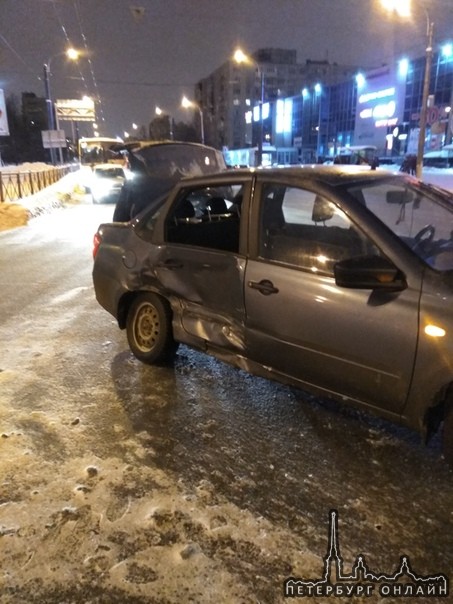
{"x": 99, "y": 150}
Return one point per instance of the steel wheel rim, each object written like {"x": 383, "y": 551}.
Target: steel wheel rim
{"x": 147, "y": 327}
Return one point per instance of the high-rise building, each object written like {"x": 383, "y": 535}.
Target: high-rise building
{"x": 228, "y": 95}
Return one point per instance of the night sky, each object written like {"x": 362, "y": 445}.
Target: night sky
{"x": 144, "y": 53}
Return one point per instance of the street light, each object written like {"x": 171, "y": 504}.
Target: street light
{"x": 187, "y": 104}
{"x": 240, "y": 57}
{"x": 73, "y": 55}
{"x": 161, "y": 113}
{"x": 402, "y": 8}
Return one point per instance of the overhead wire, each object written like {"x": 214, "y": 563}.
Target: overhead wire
{"x": 86, "y": 53}
{"x": 14, "y": 51}
{"x": 90, "y": 62}
{"x": 68, "y": 40}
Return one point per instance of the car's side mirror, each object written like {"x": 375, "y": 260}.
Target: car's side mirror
{"x": 399, "y": 197}
{"x": 369, "y": 272}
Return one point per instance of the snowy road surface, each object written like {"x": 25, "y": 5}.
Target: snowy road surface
{"x": 192, "y": 483}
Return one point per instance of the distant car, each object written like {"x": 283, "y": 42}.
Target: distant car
{"x": 157, "y": 166}
{"x": 333, "y": 278}
{"x": 106, "y": 183}
{"x": 357, "y": 155}
{"x": 442, "y": 158}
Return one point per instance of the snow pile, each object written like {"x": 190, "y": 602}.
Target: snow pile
{"x": 67, "y": 190}
{"x": 12, "y": 215}
{"x": 439, "y": 177}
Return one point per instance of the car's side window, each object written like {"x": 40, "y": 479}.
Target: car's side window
{"x": 206, "y": 217}
{"x": 303, "y": 229}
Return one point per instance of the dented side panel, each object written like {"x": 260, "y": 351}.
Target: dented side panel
{"x": 206, "y": 289}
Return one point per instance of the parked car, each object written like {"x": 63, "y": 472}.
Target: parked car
{"x": 357, "y": 155}
{"x": 106, "y": 183}
{"x": 157, "y": 166}
{"x": 442, "y": 158}
{"x": 338, "y": 279}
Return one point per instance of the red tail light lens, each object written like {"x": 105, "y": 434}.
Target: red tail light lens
{"x": 97, "y": 239}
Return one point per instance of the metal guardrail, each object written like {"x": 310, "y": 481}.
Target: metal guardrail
{"x": 15, "y": 185}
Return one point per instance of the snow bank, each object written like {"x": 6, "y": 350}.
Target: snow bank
{"x": 66, "y": 191}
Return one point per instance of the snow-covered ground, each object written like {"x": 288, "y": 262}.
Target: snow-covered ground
{"x": 435, "y": 176}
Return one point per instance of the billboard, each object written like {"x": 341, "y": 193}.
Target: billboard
{"x": 75, "y": 110}
{"x": 4, "y": 130}
{"x": 380, "y": 106}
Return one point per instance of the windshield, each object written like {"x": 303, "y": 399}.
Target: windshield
{"x": 420, "y": 215}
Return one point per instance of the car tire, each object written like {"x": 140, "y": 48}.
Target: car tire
{"x": 447, "y": 436}
{"x": 149, "y": 329}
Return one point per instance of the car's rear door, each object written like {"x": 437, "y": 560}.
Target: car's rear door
{"x": 355, "y": 342}
{"x": 200, "y": 263}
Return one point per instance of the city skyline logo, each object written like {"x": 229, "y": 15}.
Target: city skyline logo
{"x": 361, "y": 581}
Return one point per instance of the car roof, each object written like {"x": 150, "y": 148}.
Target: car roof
{"x": 332, "y": 175}
{"x": 139, "y": 145}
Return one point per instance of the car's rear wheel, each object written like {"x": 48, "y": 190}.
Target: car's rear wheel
{"x": 149, "y": 330}
{"x": 447, "y": 436}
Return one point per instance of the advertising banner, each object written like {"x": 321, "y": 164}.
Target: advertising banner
{"x": 380, "y": 107}
{"x": 4, "y": 130}
{"x": 75, "y": 110}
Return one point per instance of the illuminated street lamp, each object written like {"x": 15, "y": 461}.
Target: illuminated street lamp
{"x": 402, "y": 8}
{"x": 161, "y": 113}
{"x": 187, "y": 104}
{"x": 73, "y": 55}
{"x": 240, "y": 57}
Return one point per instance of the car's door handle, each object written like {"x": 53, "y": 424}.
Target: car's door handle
{"x": 171, "y": 264}
{"x": 265, "y": 287}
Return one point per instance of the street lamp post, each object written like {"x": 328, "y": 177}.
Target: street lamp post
{"x": 318, "y": 92}
{"x": 72, "y": 54}
{"x": 403, "y": 10}
{"x": 187, "y": 104}
{"x": 240, "y": 57}
{"x": 49, "y": 105}
{"x": 425, "y": 95}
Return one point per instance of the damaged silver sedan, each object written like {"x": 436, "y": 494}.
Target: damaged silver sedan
{"x": 335, "y": 279}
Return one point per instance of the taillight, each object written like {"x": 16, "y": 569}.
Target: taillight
{"x": 97, "y": 239}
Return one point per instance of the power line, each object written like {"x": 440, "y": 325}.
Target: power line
{"x": 90, "y": 62}
{"x": 14, "y": 51}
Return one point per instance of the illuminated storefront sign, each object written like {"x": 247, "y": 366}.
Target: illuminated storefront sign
{"x": 256, "y": 112}
{"x": 381, "y": 112}
{"x": 284, "y": 116}
{"x": 379, "y": 94}
{"x": 379, "y": 106}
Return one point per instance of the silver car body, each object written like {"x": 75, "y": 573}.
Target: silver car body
{"x": 324, "y": 319}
